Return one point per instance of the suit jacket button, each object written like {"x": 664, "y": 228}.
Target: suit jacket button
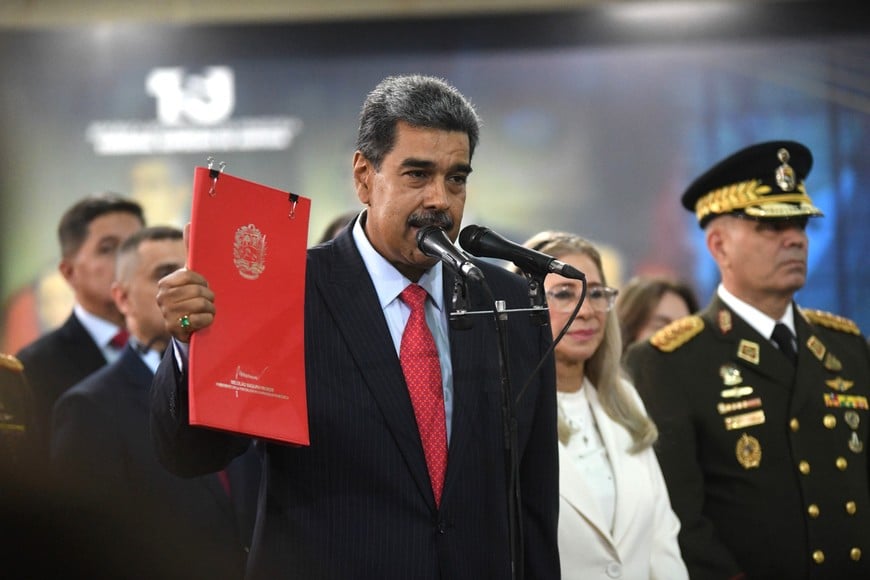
{"x": 614, "y": 570}
{"x": 855, "y": 554}
{"x": 818, "y": 557}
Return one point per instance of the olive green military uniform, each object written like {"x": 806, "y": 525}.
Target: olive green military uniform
{"x": 766, "y": 463}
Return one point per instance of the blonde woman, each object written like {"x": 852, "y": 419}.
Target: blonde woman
{"x": 615, "y": 518}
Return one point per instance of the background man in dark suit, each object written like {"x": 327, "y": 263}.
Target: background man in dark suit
{"x": 359, "y": 501}
{"x": 100, "y": 436}
{"x": 763, "y": 439}
{"x": 89, "y": 233}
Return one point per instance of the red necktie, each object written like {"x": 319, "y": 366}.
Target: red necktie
{"x": 224, "y": 478}
{"x": 120, "y": 339}
{"x": 422, "y": 369}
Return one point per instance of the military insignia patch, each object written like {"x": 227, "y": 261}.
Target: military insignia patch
{"x": 840, "y": 384}
{"x": 677, "y": 333}
{"x": 855, "y": 444}
{"x": 736, "y": 392}
{"x": 816, "y": 347}
{"x": 724, "y": 408}
{"x": 836, "y": 401}
{"x": 744, "y": 420}
{"x": 730, "y": 375}
{"x": 749, "y": 351}
{"x": 748, "y": 451}
{"x": 725, "y": 321}
{"x": 829, "y": 320}
{"x": 832, "y": 363}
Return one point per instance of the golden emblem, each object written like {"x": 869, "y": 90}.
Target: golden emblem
{"x": 816, "y": 347}
{"x": 744, "y": 420}
{"x": 749, "y": 351}
{"x": 677, "y": 333}
{"x": 730, "y": 375}
{"x": 832, "y": 363}
{"x": 840, "y": 384}
{"x": 7, "y": 361}
{"x": 725, "y": 321}
{"x": 785, "y": 177}
{"x": 852, "y": 419}
{"x": 829, "y": 421}
{"x": 829, "y": 320}
{"x": 249, "y": 252}
{"x": 748, "y": 451}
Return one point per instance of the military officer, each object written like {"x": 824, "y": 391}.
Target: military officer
{"x": 17, "y": 435}
{"x": 763, "y": 447}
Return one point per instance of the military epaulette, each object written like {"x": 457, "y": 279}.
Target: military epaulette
{"x": 677, "y": 333}
{"x": 829, "y": 320}
{"x": 7, "y": 361}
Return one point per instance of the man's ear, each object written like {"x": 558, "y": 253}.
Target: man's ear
{"x": 362, "y": 176}
{"x": 715, "y": 239}
{"x": 120, "y": 296}
{"x": 65, "y": 268}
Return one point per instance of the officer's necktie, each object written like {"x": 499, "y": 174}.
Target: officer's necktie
{"x": 784, "y": 340}
{"x": 422, "y": 369}
{"x": 120, "y": 339}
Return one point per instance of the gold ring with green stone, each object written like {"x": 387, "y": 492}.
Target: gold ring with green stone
{"x": 184, "y": 321}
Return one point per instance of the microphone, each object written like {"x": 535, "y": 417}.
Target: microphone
{"x": 433, "y": 241}
{"x": 485, "y": 243}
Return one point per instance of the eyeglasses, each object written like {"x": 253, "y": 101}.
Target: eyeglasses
{"x": 564, "y": 298}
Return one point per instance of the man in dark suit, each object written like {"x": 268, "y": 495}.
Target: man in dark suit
{"x": 100, "y": 435}
{"x": 360, "y": 502}
{"x": 762, "y": 405}
{"x": 89, "y": 233}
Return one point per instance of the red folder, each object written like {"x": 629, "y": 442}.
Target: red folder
{"x": 247, "y": 370}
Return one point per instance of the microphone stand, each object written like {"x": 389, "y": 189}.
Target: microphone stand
{"x": 539, "y": 316}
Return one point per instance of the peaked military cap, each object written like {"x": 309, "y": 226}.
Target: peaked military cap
{"x": 763, "y": 181}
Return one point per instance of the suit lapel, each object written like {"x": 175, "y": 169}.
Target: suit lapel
{"x": 80, "y": 347}
{"x": 574, "y": 490}
{"x": 806, "y": 359}
{"x": 616, "y": 442}
{"x": 348, "y": 292}
{"x": 465, "y": 347}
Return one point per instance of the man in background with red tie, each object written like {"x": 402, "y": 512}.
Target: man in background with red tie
{"x": 406, "y": 475}
{"x": 762, "y": 406}
{"x": 89, "y": 233}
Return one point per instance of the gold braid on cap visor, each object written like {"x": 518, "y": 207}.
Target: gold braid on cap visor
{"x": 747, "y": 194}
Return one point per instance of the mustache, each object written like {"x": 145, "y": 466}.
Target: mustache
{"x": 437, "y": 219}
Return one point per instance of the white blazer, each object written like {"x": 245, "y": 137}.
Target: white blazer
{"x": 643, "y": 544}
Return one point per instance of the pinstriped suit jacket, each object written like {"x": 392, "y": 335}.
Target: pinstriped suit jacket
{"x": 357, "y": 502}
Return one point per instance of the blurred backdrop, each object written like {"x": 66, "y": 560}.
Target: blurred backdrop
{"x": 596, "y": 117}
